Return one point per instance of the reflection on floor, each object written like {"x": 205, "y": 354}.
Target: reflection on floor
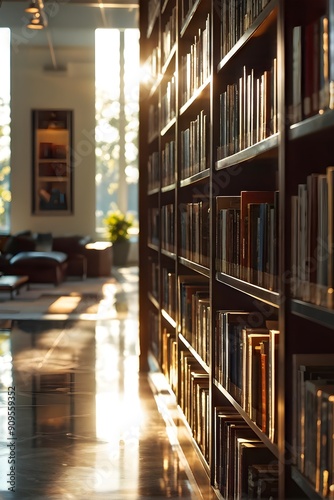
{"x": 84, "y": 424}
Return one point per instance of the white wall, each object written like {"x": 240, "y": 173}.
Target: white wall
{"x": 35, "y": 88}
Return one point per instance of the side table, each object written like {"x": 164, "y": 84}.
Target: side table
{"x": 98, "y": 258}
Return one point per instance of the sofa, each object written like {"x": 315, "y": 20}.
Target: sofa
{"x": 44, "y": 258}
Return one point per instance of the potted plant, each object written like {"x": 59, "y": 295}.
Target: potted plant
{"x": 118, "y": 225}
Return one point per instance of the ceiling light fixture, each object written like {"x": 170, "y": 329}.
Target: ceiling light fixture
{"x": 38, "y": 20}
{"x": 33, "y": 7}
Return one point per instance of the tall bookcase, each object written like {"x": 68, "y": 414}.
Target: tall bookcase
{"x": 236, "y": 235}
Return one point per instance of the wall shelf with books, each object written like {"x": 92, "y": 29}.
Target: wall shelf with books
{"x": 52, "y": 165}
{"x": 242, "y": 215}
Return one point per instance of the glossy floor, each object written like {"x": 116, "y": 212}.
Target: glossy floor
{"x": 77, "y": 420}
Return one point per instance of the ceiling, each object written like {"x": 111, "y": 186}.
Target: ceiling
{"x": 70, "y": 22}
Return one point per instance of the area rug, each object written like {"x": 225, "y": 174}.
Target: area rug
{"x": 87, "y": 303}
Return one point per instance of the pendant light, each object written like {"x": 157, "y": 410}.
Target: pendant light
{"x": 33, "y": 7}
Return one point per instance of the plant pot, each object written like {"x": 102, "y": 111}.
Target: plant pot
{"x": 120, "y": 253}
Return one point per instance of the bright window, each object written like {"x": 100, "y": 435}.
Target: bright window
{"x": 117, "y": 107}
{"x": 5, "y": 153}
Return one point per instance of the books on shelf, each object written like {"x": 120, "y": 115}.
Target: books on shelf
{"x": 312, "y": 65}
{"x": 246, "y": 365}
{"x": 236, "y": 17}
{"x": 263, "y": 480}
{"x": 195, "y": 234}
{"x": 196, "y": 65}
{"x": 313, "y": 445}
{"x": 312, "y": 229}
{"x": 168, "y": 162}
{"x": 237, "y": 450}
{"x": 247, "y": 236}
{"x": 194, "y": 146}
{"x": 188, "y": 285}
{"x": 169, "y": 292}
{"x": 168, "y": 227}
{"x": 248, "y": 110}
{"x": 249, "y": 452}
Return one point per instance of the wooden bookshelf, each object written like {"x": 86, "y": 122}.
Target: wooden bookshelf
{"x": 239, "y": 101}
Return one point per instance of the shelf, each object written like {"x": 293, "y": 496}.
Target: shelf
{"x": 312, "y": 312}
{"x": 194, "y": 266}
{"x": 169, "y": 59}
{"x": 257, "y": 77}
{"x": 193, "y": 352}
{"x": 168, "y": 318}
{"x": 168, "y": 127}
{"x": 304, "y": 484}
{"x": 312, "y": 125}
{"x": 153, "y": 191}
{"x": 166, "y": 189}
{"x": 153, "y": 300}
{"x": 167, "y": 253}
{"x": 195, "y": 178}
{"x": 195, "y": 97}
{"x": 261, "y": 151}
{"x": 262, "y": 294}
{"x": 153, "y": 246}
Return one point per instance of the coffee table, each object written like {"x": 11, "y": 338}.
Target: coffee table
{"x": 13, "y": 283}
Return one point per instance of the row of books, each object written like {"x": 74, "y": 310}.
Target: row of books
{"x": 196, "y": 65}
{"x": 194, "y": 400}
{"x": 154, "y": 278}
{"x": 195, "y": 237}
{"x": 236, "y": 17}
{"x": 312, "y": 65}
{"x": 194, "y": 146}
{"x": 169, "y": 292}
{"x": 201, "y": 325}
{"x": 247, "y": 232}
{"x": 168, "y": 228}
{"x": 169, "y": 363}
{"x": 246, "y": 365}
{"x": 248, "y": 110}
{"x": 164, "y": 173}
{"x": 312, "y": 236}
{"x": 154, "y": 226}
{"x": 313, "y": 418}
{"x": 153, "y": 171}
{"x": 244, "y": 467}
{"x": 153, "y": 328}
{"x": 189, "y": 285}
{"x": 153, "y": 121}
{"x": 169, "y": 36}
{"x": 168, "y": 164}
{"x": 168, "y": 102}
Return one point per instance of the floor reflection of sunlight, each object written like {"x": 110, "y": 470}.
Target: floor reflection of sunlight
{"x": 118, "y": 411}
